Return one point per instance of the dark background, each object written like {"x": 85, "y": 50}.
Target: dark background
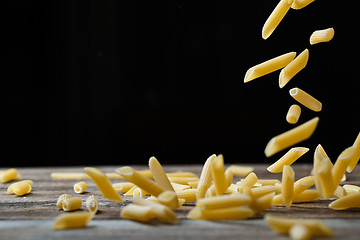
{"x": 115, "y": 82}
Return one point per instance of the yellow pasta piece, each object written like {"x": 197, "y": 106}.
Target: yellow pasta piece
{"x": 249, "y": 181}
{"x": 159, "y": 174}
{"x": 218, "y": 174}
{"x": 9, "y": 175}
{"x": 275, "y": 18}
{"x": 72, "y": 220}
{"x": 306, "y": 99}
{"x": 302, "y": 184}
{"x": 140, "y": 180}
{"x": 356, "y": 156}
{"x": 231, "y": 213}
{"x": 92, "y": 204}
{"x": 291, "y": 137}
{"x": 287, "y": 185}
{"x": 282, "y": 225}
{"x": 161, "y": 212}
{"x": 71, "y": 204}
{"x": 307, "y": 196}
{"x": 10, "y": 188}
{"x": 262, "y": 203}
{"x": 224, "y": 201}
{"x": 205, "y": 178}
{"x": 341, "y": 164}
{"x": 189, "y": 195}
{"x": 267, "y": 182}
{"x": 80, "y": 187}
{"x": 299, "y": 4}
{"x": 261, "y": 191}
{"x": 293, "y": 68}
{"x": 289, "y": 158}
{"x": 137, "y": 213}
{"x": 299, "y": 232}
{"x": 103, "y": 183}
{"x": 269, "y": 66}
{"x": 351, "y": 188}
{"x": 60, "y": 200}
{"x": 180, "y": 187}
{"x": 182, "y": 174}
{"x": 183, "y": 180}
{"x": 21, "y": 188}
{"x": 339, "y": 192}
{"x": 326, "y": 182}
{"x": 349, "y": 201}
{"x": 293, "y": 114}
{"x": 324, "y": 35}
{"x": 123, "y": 187}
{"x": 240, "y": 171}
{"x": 139, "y": 192}
{"x": 169, "y": 198}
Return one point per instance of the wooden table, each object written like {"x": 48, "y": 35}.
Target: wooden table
{"x": 31, "y": 216}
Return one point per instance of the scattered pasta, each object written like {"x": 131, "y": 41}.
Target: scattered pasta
{"x": 275, "y": 18}
{"x": 10, "y": 189}
{"x": 9, "y": 175}
{"x": 289, "y": 158}
{"x": 287, "y": 185}
{"x": 306, "y": 99}
{"x": 324, "y": 35}
{"x": 351, "y": 200}
{"x": 72, "y": 220}
{"x": 80, "y": 187}
{"x": 356, "y": 156}
{"x": 205, "y": 178}
{"x": 92, "y": 204}
{"x": 293, "y": 114}
{"x": 71, "y": 204}
{"x": 293, "y": 68}
{"x": 137, "y": 213}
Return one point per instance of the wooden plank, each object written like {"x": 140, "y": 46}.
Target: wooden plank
{"x": 32, "y": 215}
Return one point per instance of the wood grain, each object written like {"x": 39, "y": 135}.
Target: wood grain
{"x": 39, "y": 209}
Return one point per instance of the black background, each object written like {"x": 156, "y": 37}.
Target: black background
{"x": 115, "y": 82}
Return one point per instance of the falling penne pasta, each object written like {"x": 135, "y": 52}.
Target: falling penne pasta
{"x": 103, "y": 183}
{"x": 92, "y": 204}
{"x": 123, "y": 187}
{"x": 293, "y": 68}
{"x": 140, "y": 180}
{"x": 72, "y": 220}
{"x": 356, "y": 156}
{"x": 306, "y": 99}
{"x": 269, "y": 66}
{"x": 289, "y": 158}
{"x": 218, "y": 174}
{"x": 249, "y": 181}
{"x": 293, "y": 114}
{"x": 287, "y": 185}
{"x": 159, "y": 174}
{"x": 324, "y": 35}
{"x": 205, "y": 178}
{"x": 169, "y": 198}
{"x": 261, "y": 191}
{"x": 137, "y": 213}
{"x": 80, "y": 187}
{"x": 341, "y": 164}
{"x": 291, "y": 137}
{"x": 275, "y": 18}
{"x": 351, "y": 200}
{"x": 326, "y": 181}
{"x": 299, "y": 4}
{"x": 303, "y": 184}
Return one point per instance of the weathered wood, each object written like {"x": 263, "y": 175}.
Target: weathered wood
{"x": 32, "y": 215}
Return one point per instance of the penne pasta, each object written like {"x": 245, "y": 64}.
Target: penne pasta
{"x": 224, "y": 201}
{"x": 103, "y": 183}
{"x": 326, "y": 181}
{"x": 267, "y": 182}
{"x": 339, "y": 192}
{"x": 275, "y": 18}
{"x": 169, "y": 198}
{"x": 261, "y": 191}
{"x": 80, "y": 187}
{"x": 231, "y": 213}
{"x": 299, "y": 232}
{"x": 9, "y": 175}
{"x": 159, "y": 174}
{"x": 21, "y": 188}
{"x": 140, "y": 180}
{"x": 180, "y": 187}
{"x": 282, "y": 225}
{"x": 71, "y": 204}
{"x": 182, "y": 174}
{"x": 324, "y": 35}
{"x": 307, "y": 196}
{"x": 291, "y": 137}
{"x": 262, "y": 203}
{"x": 183, "y": 180}
{"x": 269, "y": 66}
{"x": 123, "y": 187}
{"x": 293, "y": 68}
{"x": 303, "y": 184}
{"x": 356, "y": 156}
{"x": 138, "y": 192}
{"x": 10, "y": 188}
{"x": 351, "y": 188}
{"x": 137, "y": 213}
{"x": 306, "y": 99}
{"x": 293, "y": 114}
{"x": 205, "y": 178}
{"x": 161, "y": 212}
{"x": 299, "y": 4}
{"x": 60, "y": 200}
{"x": 249, "y": 181}
{"x": 92, "y": 204}
{"x": 189, "y": 195}
{"x": 240, "y": 171}
{"x": 287, "y": 185}
{"x": 349, "y": 201}
{"x": 341, "y": 164}
{"x": 218, "y": 174}
{"x": 72, "y": 220}
{"x": 289, "y": 158}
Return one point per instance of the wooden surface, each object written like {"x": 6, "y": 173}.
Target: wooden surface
{"x": 31, "y": 216}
